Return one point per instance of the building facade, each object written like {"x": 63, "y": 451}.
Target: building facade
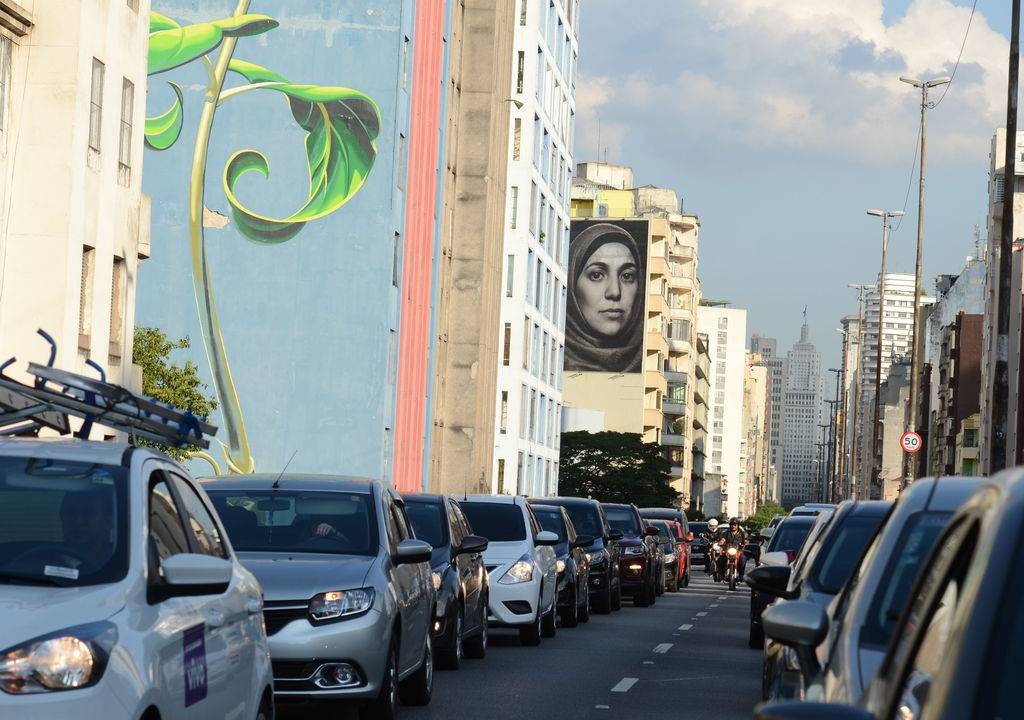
{"x": 528, "y": 405}
{"x": 701, "y": 422}
{"x": 847, "y": 435}
{"x": 754, "y": 449}
{"x": 893, "y": 420}
{"x": 801, "y": 414}
{"x": 957, "y": 382}
{"x": 767, "y": 349}
{"x": 74, "y": 223}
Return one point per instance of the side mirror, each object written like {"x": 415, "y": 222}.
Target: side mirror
{"x": 652, "y": 531}
{"x": 614, "y": 535}
{"x": 770, "y": 580}
{"x": 779, "y": 558}
{"x": 412, "y": 551}
{"x": 545, "y": 537}
{"x": 190, "y": 574}
{"x": 766, "y": 533}
{"x": 752, "y": 551}
{"x": 583, "y": 541}
{"x": 689, "y": 537}
{"x": 797, "y": 710}
{"x": 472, "y": 544}
{"x": 797, "y": 623}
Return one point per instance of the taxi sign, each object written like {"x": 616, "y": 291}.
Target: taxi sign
{"x": 910, "y": 442}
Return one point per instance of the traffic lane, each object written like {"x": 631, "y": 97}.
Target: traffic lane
{"x": 574, "y": 674}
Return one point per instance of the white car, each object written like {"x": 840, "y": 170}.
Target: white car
{"x": 120, "y": 595}
{"x": 521, "y": 564}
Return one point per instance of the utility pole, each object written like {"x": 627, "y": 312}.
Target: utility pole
{"x": 834, "y": 438}
{"x": 830, "y": 458}
{"x": 876, "y": 430}
{"x": 909, "y": 464}
{"x": 1000, "y": 385}
{"x": 854, "y": 444}
{"x": 823, "y": 461}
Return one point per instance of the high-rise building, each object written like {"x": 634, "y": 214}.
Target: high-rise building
{"x": 74, "y": 223}
{"x": 528, "y": 403}
{"x": 801, "y": 411}
{"x": 754, "y": 450}
{"x": 701, "y": 413}
{"x": 957, "y": 381}
{"x": 849, "y": 407}
{"x": 768, "y": 351}
{"x": 726, "y": 329}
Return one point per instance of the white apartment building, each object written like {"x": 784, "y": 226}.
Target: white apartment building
{"x": 74, "y": 223}
{"x": 536, "y": 244}
{"x": 726, "y": 329}
{"x": 801, "y": 411}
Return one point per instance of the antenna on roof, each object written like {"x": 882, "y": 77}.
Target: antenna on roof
{"x": 277, "y": 485}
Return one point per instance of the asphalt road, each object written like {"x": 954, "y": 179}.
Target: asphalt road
{"x": 685, "y": 658}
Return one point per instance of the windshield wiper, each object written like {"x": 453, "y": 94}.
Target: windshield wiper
{"x": 24, "y": 579}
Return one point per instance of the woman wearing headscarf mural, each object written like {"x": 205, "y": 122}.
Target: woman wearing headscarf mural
{"x": 604, "y": 315}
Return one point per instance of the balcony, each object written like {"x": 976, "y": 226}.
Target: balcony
{"x": 683, "y": 252}
{"x": 673, "y": 407}
{"x": 657, "y": 342}
{"x": 656, "y": 303}
{"x": 678, "y": 378}
{"x": 653, "y": 418}
{"x": 680, "y": 282}
{"x": 655, "y": 380}
{"x": 679, "y": 346}
{"x": 700, "y": 417}
{"x": 703, "y": 366}
{"x": 673, "y": 440}
{"x": 658, "y": 265}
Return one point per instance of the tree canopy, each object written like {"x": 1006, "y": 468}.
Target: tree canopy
{"x": 615, "y": 467}
{"x": 763, "y": 516}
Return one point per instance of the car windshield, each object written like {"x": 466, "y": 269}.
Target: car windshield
{"x": 298, "y": 521}
{"x": 498, "y": 522}
{"x": 914, "y": 544}
{"x": 840, "y": 556}
{"x": 585, "y": 519}
{"x": 698, "y": 528}
{"x": 623, "y": 520}
{"x": 551, "y": 520}
{"x": 427, "y": 523}
{"x": 62, "y": 523}
{"x": 789, "y": 536}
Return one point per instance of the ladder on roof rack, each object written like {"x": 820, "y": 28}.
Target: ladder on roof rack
{"x": 57, "y": 394}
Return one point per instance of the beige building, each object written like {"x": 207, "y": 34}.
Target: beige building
{"x": 74, "y": 223}
{"x": 895, "y": 398}
{"x": 754, "y": 444}
{"x": 701, "y": 405}
{"x": 470, "y": 290}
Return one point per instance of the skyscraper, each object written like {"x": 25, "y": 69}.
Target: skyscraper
{"x": 768, "y": 349}
{"x": 801, "y": 410}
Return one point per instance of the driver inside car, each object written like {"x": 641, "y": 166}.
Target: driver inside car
{"x": 88, "y": 523}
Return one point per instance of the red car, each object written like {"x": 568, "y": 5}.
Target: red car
{"x": 683, "y": 537}
{"x": 679, "y": 546}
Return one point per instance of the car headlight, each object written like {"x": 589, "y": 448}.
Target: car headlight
{"x": 732, "y": 551}
{"x": 436, "y": 578}
{"x": 635, "y": 550}
{"x": 560, "y": 566}
{"x": 521, "y": 571}
{"x": 66, "y": 660}
{"x": 340, "y": 604}
{"x": 596, "y": 557}
{"x": 670, "y": 557}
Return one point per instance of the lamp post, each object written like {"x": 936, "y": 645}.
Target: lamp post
{"x": 910, "y": 464}
{"x": 876, "y": 456}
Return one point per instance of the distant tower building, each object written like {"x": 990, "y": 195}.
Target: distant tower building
{"x": 801, "y": 409}
{"x": 768, "y": 349}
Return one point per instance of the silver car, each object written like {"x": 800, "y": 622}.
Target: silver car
{"x": 348, "y": 596}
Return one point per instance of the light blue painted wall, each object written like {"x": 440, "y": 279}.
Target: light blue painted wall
{"x": 308, "y": 324}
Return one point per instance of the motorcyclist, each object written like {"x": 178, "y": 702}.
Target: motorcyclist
{"x": 732, "y": 536}
{"x": 710, "y": 538}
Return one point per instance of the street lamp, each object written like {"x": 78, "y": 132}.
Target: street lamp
{"x": 876, "y": 456}
{"x": 910, "y": 466}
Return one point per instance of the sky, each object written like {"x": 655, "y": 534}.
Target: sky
{"x": 779, "y": 122}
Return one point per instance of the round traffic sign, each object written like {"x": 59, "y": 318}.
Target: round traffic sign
{"x": 910, "y": 442}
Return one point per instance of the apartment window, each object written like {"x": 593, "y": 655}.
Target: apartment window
{"x": 529, "y": 276}
{"x": 533, "y": 208}
{"x": 96, "y": 104}
{"x": 124, "y": 154}
{"x": 5, "y": 78}
{"x": 504, "y": 411}
{"x": 517, "y": 138}
{"x": 723, "y": 323}
{"x": 524, "y": 410}
{"x": 85, "y": 297}
{"x": 539, "y": 288}
{"x": 391, "y": 357}
{"x": 554, "y": 363}
{"x": 133, "y": 5}
{"x": 545, "y": 367}
{"x": 522, "y": 11}
{"x": 506, "y": 353}
{"x": 535, "y": 362}
{"x": 514, "y": 203}
{"x": 526, "y": 343}
{"x": 533, "y": 414}
{"x": 501, "y": 474}
{"x": 520, "y": 69}
{"x": 117, "y": 283}
{"x": 394, "y": 259}
{"x": 519, "y": 470}
{"x": 510, "y": 275}
{"x": 401, "y": 161}
{"x": 405, "y": 62}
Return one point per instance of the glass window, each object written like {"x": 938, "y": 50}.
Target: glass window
{"x": 455, "y": 521}
{"x": 498, "y": 522}
{"x": 124, "y": 155}
{"x": 833, "y": 567}
{"x": 96, "y": 104}
{"x": 623, "y": 519}
{"x": 551, "y": 521}
{"x": 585, "y": 519}
{"x": 166, "y": 530}
{"x": 427, "y": 523}
{"x": 198, "y": 518}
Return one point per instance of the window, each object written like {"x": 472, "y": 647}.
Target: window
{"x": 501, "y": 474}
{"x": 533, "y": 208}
{"x": 520, "y": 69}
{"x": 204, "y": 529}
{"x": 514, "y": 208}
{"x": 394, "y": 259}
{"x": 522, "y": 11}
{"x": 85, "y": 297}
{"x": 117, "y": 282}
{"x": 504, "y": 411}
{"x": 5, "y": 78}
{"x": 533, "y": 414}
{"x": 133, "y": 5}
{"x": 400, "y": 164}
{"x": 529, "y": 277}
{"x": 523, "y": 412}
{"x": 166, "y": 530}
{"x": 124, "y": 153}
{"x": 517, "y": 139}
{"x": 506, "y": 352}
{"x": 405, "y": 62}
{"x": 96, "y": 104}
{"x": 526, "y": 343}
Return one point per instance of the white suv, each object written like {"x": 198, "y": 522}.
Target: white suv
{"x": 120, "y": 594}
{"x": 521, "y": 562}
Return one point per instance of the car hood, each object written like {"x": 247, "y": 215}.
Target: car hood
{"x": 298, "y": 576}
{"x": 502, "y": 552}
{"x": 869, "y": 660}
{"x": 31, "y": 611}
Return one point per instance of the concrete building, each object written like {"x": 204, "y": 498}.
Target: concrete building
{"x": 966, "y": 448}
{"x": 767, "y": 349}
{"x": 701, "y": 413}
{"x": 801, "y": 413}
{"x": 74, "y": 223}
{"x": 528, "y": 404}
{"x": 726, "y": 329}
{"x": 754, "y": 446}
{"x": 957, "y": 378}
{"x": 895, "y": 399}
{"x": 848, "y": 434}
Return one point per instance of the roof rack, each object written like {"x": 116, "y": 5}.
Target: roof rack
{"x": 56, "y": 394}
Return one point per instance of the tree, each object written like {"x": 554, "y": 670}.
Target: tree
{"x": 166, "y": 381}
{"x": 763, "y": 516}
{"x": 615, "y": 467}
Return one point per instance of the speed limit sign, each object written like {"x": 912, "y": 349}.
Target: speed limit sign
{"x": 910, "y": 442}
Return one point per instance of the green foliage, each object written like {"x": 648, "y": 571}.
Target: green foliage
{"x": 163, "y": 130}
{"x": 166, "y": 381}
{"x": 763, "y": 516}
{"x": 615, "y": 467}
{"x": 342, "y": 125}
{"x": 174, "y": 46}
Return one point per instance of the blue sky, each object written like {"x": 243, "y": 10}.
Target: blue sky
{"x": 780, "y": 121}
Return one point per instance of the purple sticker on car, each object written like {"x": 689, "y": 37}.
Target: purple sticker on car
{"x": 194, "y": 658}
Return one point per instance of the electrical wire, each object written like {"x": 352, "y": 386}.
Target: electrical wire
{"x": 910, "y": 180}
{"x": 962, "y": 46}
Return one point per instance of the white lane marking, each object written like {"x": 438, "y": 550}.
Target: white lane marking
{"x": 648, "y": 662}
{"x": 602, "y": 707}
{"x": 713, "y": 605}
{"x": 685, "y": 627}
{"x": 625, "y": 684}
{"x": 723, "y": 597}
{"x": 701, "y": 614}
{"x": 663, "y": 648}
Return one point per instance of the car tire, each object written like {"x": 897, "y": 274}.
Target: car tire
{"x": 385, "y": 706}
{"x": 266, "y": 711}
{"x": 643, "y": 598}
{"x": 450, "y": 658}
{"x": 585, "y": 611}
{"x": 603, "y": 602}
{"x": 617, "y": 598}
{"x": 530, "y": 635}
{"x": 571, "y": 615}
{"x": 686, "y": 578}
{"x": 755, "y": 638}
{"x": 418, "y": 687}
{"x": 674, "y": 585}
{"x": 476, "y": 646}
{"x": 549, "y": 623}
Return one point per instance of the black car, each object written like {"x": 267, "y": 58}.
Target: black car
{"x": 588, "y": 518}
{"x": 955, "y": 646}
{"x": 639, "y": 549}
{"x": 699, "y": 546}
{"x": 573, "y": 566}
{"x": 788, "y": 537}
{"x": 459, "y": 575}
{"x": 671, "y": 552}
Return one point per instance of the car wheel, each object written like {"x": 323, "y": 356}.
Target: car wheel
{"x": 418, "y": 687}
{"x": 617, "y": 598}
{"x": 530, "y": 634}
{"x": 476, "y": 646}
{"x": 643, "y": 597}
{"x": 571, "y": 615}
{"x": 585, "y": 611}
{"x": 756, "y": 637}
{"x": 385, "y": 707}
{"x": 659, "y": 588}
{"x": 603, "y": 602}
{"x": 266, "y": 711}
{"x": 450, "y": 658}
{"x": 686, "y": 579}
{"x": 549, "y": 625}
{"x": 674, "y": 585}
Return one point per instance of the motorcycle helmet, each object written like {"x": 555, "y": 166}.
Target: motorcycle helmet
{"x": 734, "y": 521}
{"x": 712, "y": 524}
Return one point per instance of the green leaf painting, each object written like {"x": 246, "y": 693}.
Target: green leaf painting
{"x": 341, "y": 126}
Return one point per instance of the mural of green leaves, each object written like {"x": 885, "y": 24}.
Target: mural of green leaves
{"x": 341, "y": 126}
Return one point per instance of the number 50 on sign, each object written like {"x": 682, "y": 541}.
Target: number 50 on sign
{"x": 910, "y": 442}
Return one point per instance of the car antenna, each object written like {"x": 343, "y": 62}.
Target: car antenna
{"x": 277, "y": 482}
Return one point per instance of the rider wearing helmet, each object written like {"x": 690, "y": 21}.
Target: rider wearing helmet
{"x": 733, "y": 536}
{"x": 710, "y": 537}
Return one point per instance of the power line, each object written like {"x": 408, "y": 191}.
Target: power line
{"x": 962, "y": 46}
{"x": 910, "y": 180}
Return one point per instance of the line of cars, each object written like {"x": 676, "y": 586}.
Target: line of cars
{"x": 918, "y": 614}
{"x": 130, "y": 589}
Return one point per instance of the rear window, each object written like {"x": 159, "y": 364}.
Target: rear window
{"x": 837, "y": 560}
{"x": 585, "y": 519}
{"x": 698, "y": 528}
{"x": 427, "y": 523}
{"x": 789, "y": 536}
{"x": 497, "y": 522}
{"x": 623, "y": 519}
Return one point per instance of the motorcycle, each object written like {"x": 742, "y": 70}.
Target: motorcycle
{"x": 732, "y": 556}
{"x": 715, "y": 551}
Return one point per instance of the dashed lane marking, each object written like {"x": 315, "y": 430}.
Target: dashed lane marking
{"x": 602, "y": 707}
{"x": 663, "y": 648}
{"x": 685, "y": 627}
{"x": 624, "y": 685}
{"x": 713, "y": 605}
{"x": 701, "y": 614}
{"x": 648, "y": 662}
